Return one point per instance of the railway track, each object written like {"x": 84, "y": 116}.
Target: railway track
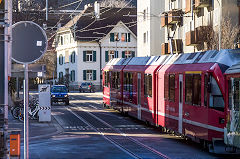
{"x": 127, "y": 144}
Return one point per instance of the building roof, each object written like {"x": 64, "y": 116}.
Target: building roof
{"x": 90, "y": 29}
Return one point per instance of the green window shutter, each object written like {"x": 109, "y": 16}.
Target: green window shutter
{"x": 133, "y": 53}
{"x": 84, "y": 55}
{"x": 94, "y": 56}
{"x": 94, "y": 75}
{"x": 111, "y": 37}
{"x": 71, "y": 76}
{"x": 84, "y": 75}
{"x": 106, "y": 56}
{"x": 123, "y": 54}
{"x": 129, "y": 37}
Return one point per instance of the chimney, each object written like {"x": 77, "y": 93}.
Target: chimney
{"x": 97, "y": 10}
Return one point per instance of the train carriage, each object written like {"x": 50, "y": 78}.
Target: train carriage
{"x": 112, "y": 82}
{"x": 232, "y": 129}
{"x": 186, "y": 93}
{"x": 192, "y": 101}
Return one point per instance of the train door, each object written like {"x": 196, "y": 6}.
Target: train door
{"x": 180, "y": 118}
{"x": 139, "y": 95}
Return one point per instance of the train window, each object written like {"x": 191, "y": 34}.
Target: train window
{"x": 193, "y": 89}
{"x": 196, "y": 89}
{"x": 166, "y": 86}
{"x": 118, "y": 80}
{"x": 106, "y": 77}
{"x": 216, "y": 100}
{"x": 148, "y": 85}
{"x": 128, "y": 84}
{"x": 234, "y": 93}
{"x": 205, "y": 89}
{"x": 171, "y": 87}
{"x": 188, "y": 88}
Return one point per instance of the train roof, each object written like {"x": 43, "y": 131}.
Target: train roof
{"x": 234, "y": 69}
{"x": 226, "y": 57}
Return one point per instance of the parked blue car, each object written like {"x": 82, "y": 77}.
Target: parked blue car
{"x": 59, "y": 93}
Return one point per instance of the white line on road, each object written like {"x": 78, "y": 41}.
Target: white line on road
{"x": 95, "y": 129}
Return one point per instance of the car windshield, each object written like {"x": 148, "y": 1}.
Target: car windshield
{"x": 59, "y": 89}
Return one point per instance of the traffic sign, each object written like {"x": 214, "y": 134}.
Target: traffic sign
{"x": 29, "y": 42}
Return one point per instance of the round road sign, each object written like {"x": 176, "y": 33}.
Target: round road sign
{"x": 29, "y": 42}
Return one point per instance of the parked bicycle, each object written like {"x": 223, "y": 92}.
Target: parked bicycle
{"x": 18, "y": 110}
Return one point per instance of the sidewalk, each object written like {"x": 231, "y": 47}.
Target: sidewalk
{"x": 36, "y": 129}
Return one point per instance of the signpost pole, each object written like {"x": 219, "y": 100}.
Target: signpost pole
{"x": 26, "y": 133}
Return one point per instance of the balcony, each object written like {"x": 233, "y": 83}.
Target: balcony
{"x": 164, "y": 20}
{"x": 165, "y": 49}
{"x": 188, "y": 7}
{"x": 191, "y": 38}
{"x": 198, "y": 36}
{"x": 202, "y": 33}
{"x": 176, "y": 46}
{"x": 203, "y": 3}
{"x": 174, "y": 16}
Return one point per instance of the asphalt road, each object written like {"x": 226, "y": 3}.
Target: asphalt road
{"x": 90, "y": 132}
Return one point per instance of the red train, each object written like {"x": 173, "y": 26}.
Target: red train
{"x": 186, "y": 93}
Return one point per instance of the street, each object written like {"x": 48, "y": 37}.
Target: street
{"x": 85, "y": 130}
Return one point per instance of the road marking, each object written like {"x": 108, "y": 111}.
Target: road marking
{"x": 110, "y": 140}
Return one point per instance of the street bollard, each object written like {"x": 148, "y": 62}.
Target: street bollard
{"x": 15, "y": 143}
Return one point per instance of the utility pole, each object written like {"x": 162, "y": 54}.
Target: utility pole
{"x": 4, "y": 39}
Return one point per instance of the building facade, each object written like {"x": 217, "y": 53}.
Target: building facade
{"x": 150, "y": 35}
{"x": 82, "y": 53}
{"x": 189, "y": 24}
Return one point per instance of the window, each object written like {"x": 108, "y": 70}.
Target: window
{"x": 66, "y": 56}
{"x": 128, "y": 54}
{"x": 73, "y": 55}
{"x": 89, "y": 56}
{"x": 144, "y": 37}
{"x": 216, "y": 100}
{"x": 193, "y": 89}
{"x": 125, "y": 37}
{"x": 114, "y": 37}
{"x": 66, "y": 39}
{"x": 106, "y": 79}
{"x": 234, "y": 93}
{"x": 166, "y": 86}
{"x": 115, "y": 80}
{"x": 148, "y": 85}
{"x": 205, "y": 89}
{"x": 144, "y": 14}
{"x": 172, "y": 87}
{"x": 89, "y": 75}
{"x": 72, "y": 76}
{"x": 60, "y": 59}
{"x": 110, "y": 55}
{"x": 128, "y": 84}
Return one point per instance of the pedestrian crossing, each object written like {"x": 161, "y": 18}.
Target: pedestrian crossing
{"x": 86, "y": 128}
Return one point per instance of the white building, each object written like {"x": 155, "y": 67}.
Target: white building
{"x": 86, "y": 44}
{"x": 189, "y": 23}
{"x": 150, "y": 34}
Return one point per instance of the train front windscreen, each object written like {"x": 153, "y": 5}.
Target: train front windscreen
{"x": 232, "y": 130}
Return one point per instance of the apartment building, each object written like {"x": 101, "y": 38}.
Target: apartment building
{"x": 85, "y": 44}
{"x": 188, "y": 23}
{"x": 150, "y": 35}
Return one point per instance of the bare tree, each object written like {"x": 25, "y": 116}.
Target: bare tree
{"x": 115, "y": 3}
{"x": 229, "y": 35}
